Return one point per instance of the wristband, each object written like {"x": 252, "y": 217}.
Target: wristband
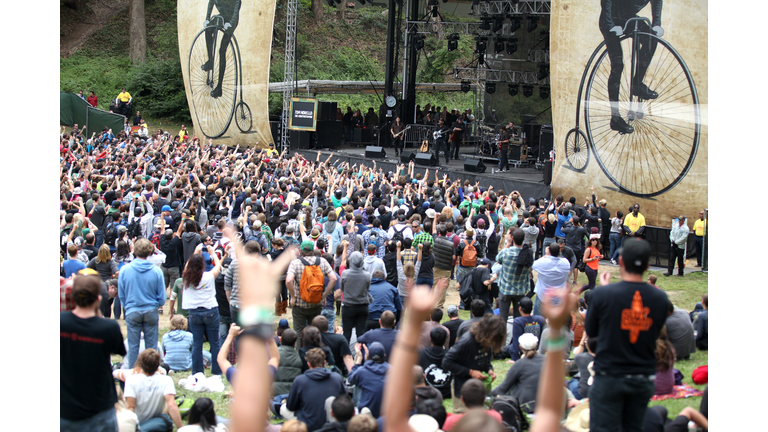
{"x": 556, "y": 342}
{"x": 254, "y": 315}
{"x": 260, "y": 331}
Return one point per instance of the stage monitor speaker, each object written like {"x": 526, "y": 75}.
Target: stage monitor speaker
{"x": 548, "y": 173}
{"x": 426, "y": 159}
{"x": 407, "y": 156}
{"x": 376, "y": 152}
{"x": 474, "y": 165}
{"x": 514, "y": 152}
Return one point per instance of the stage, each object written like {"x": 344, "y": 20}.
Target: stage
{"x": 525, "y": 179}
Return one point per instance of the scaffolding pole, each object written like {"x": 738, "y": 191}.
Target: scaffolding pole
{"x": 289, "y": 75}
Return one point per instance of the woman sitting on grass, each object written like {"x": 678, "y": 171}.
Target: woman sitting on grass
{"x": 177, "y": 345}
{"x": 202, "y": 418}
{"x": 665, "y": 360}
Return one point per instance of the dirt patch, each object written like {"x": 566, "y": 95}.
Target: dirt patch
{"x": 77, "y": 26}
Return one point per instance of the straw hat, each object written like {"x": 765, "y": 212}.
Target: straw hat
{"x": 578, "y": 418}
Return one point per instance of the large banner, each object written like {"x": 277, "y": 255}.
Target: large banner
{"x": 225, "y": 48}
{"x": 629, "y": 88}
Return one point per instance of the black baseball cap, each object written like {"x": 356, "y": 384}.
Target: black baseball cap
{"x": 635, "y": 253}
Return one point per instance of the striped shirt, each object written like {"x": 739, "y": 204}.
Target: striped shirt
{"x": 230, "y": 284}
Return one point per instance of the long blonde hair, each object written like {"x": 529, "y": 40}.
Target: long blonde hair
{"x": 104, "y": 254}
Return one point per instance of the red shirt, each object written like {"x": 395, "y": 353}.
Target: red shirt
{"x": 93, "y": 100}
{"x": 66, "y": 302}
{"x": 451, "y": 421}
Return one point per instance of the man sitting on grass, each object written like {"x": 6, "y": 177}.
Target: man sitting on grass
{"x": 145, "y": 393}
{"x": 473, "y": 396}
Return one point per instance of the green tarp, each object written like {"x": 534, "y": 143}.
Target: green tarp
{"x": 72, "y": 109}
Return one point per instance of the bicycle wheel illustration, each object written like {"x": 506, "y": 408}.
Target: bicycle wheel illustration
{"x": 576, "y": 150}
{"x": 659, "y": 153}
{"x": 243, "y": 117}
{"x": 213, "y": 115}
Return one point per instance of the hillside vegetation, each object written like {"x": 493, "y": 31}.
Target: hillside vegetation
{"x": 332, "y": 48}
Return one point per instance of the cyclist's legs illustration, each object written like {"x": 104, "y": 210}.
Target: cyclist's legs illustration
{"x": 645, "y": 55}
{"x": 616, "y": 55}
{"x": 225, "y": 40}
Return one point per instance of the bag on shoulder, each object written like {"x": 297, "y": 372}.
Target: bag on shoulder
{"x": 312, "y": 282}
{"x": 482, "y": 242}
{"x": 398, "y": 235}
{"x": 110, "y": 233}
{"x": 468, "y": 255}
{"x": 134, "y": 229}
{"x": 512, "y": 417}
{"x": 466, "y": 290}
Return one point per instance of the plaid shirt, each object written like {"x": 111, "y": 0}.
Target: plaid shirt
{"x": 297, "y": 269}
{"x": 409, "y": 256}
{"x": 509, "y": 283}
{"x": 383, "y": 239}
{"x": 66, "y": 302}
{"x": 423, "y": 237}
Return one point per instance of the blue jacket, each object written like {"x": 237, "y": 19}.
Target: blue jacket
{"x": 308, "y": 394}
{"x": 141, "y": 287}
{"x": 370, "y": 378}
{"x": 385, "y": 298}
{"x": 177, "y": 345}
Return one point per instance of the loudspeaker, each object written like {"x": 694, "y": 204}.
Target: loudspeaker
{"x": 514, "y": 153}
{"x": 328, "y": 134}
{"x": 299, "y": 140}
{"x": 407, "y": 156}
{"x": 327, "y": 111}
{"x": 275, "y": 127}
{"x": 375, "y": 152}
{"x": 474, "y": 165}
{"x": 546, "y": 142}
{"x": 528, "y": 118}
{"x": 426, "y": 159}
{"x": 548, "y": 172}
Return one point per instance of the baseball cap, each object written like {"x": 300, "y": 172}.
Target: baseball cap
{"x": 423, "y": 423}
{"x": 480, "y": 223}
{"x": 122, "y": 228}
{"x": 437, "y": 194}
{"x": 283, "y": 324}
{"x": 163, "y": 182}
{"x": 289, "y": 229}
{"x": 116, "y": 203}
{"x": 635, "y": 253}
{"x": 166, "y": 208}
{"x": 344, "y": 201}
{"x": 425, "y": 204}
{"x": 401, "y": 217}
{"x": 485, "y": 261}
{"x": 376, "y": 351}
{"x": 452, "y": 310}
{"x": 400, "y": 201}
{"x": 307, "y": 245}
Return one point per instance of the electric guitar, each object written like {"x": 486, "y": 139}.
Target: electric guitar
{"x": 394, "y": 136}
{"x": 437, "y": 134}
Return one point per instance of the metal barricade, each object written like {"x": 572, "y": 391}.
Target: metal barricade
{"x": 417, "y": 134}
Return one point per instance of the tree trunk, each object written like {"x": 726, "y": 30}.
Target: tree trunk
{"x": 138, "y": 32}
{"x": 317, "y": 8}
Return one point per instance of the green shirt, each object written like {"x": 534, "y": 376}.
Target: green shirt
{"x": 178, "y": 289}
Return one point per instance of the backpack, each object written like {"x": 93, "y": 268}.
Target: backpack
{"x": 155, "y": 239}
{"x": 312, "y": 282}
{"x": 110, "y": 234}
{"x": 482, "y": 241}
{"x": 134, "y": 229}
{"x": 466, "y": 290}
{"x": 398, "y": 236}
{"x": 468, "y": 255}
{"x": 512, "y": 417}
{"x": 373, "y": 238}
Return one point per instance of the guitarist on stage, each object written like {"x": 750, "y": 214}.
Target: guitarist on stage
{"x": 441, "y": 140}
{"x": 397, "y": 131}
{"x": 504, "y": 147}
{"x": 458, "y": 131}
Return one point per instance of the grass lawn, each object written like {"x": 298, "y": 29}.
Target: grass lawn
{"x": 685, "y": 292}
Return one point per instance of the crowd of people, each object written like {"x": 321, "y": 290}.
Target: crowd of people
{"x": 361, "y": 259}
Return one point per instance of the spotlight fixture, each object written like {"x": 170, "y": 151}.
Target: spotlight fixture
{"x": 418, "y": 41}
{"x": 480, "y": 45}
{"x": 498, "y": 24}
{"x": 543, "y": 72}
{"x": 544, "y": 92}
{"x": 513, "y": 89}
{"x": 527, "y": 91}
{"x": 433, "y": 2}
{"x": 533, "y": 22}
{"x": 498, "y": 46}
{"x": 465, "y": 86}
{"x": 512, "y": 46}
{"x": 485, "y": 23}
{"x": 490, "y": 87}
{"x": 453, "y": 42}
{"x": 514, "y": 24}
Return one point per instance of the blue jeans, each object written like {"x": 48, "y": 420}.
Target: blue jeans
{"x": 117, "y": 308}
{"x": 538, "y": 306}
{"x": 99, "y": 239}
{"x": 224, "y": 323}
{"x": 547, "y": 241}
{"x": 161, "y": 423}
{"x": 573, "y": 386}
{"x": 460, "y": 271}
{"x": 424, "y": 281}
{"x": 615, "y": 239}
{"x": 206, "y": 321}
{"x": 330, "y": 315}
{"x": 619, "y": 402}
{"x": 105, "y": 421}
{"x": 136, "y": 322}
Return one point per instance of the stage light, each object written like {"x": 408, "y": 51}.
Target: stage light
{"x": 533, "y": 22}
{"x": 465, "y": 86}
{"x": 513, "y": 89}
{"x": 514, "y": 24}
{"x": 453, "y": 42}
{"x": 418, "y": 41}
{"x": 498, "y": 46}
{"x": 485, "y": 23}
{"x": 544, "y": 92}
{"x": 433, "y": 2}
{"x": 512, "y": 46}
{"x": 543, "y": 72}
{"x": 490, "y": 87}
{"x": 527, "y": 91}
{"x": 498, "y": 24}
{"x": 480, "y": 45}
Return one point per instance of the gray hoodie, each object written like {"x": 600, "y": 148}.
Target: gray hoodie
{"x": 189, "y": 241}
{"x": 355, "y": 282}
{"x": 371, "y": 263}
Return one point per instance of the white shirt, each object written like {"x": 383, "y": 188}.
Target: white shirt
{"x": 196, "y": 428}
{"x": 407, "y": 232}
{"x": 204, "y": 295}
{"x": 149, "y": 392}
{"x": 553, "y": 273}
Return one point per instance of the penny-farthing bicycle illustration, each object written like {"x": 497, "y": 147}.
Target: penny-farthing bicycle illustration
{"x": 215, "y": 95}
{"x": 660, "y": 150}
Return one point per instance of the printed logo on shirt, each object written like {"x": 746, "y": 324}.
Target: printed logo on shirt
{"x": 636, "y": 319}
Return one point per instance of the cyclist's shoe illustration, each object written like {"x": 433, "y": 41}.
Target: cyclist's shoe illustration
{"x": 643, "y": 92}
{"x": 217, "y": 91}
{"x": 207, "y": 66}
{"x": 618, "y": 124}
